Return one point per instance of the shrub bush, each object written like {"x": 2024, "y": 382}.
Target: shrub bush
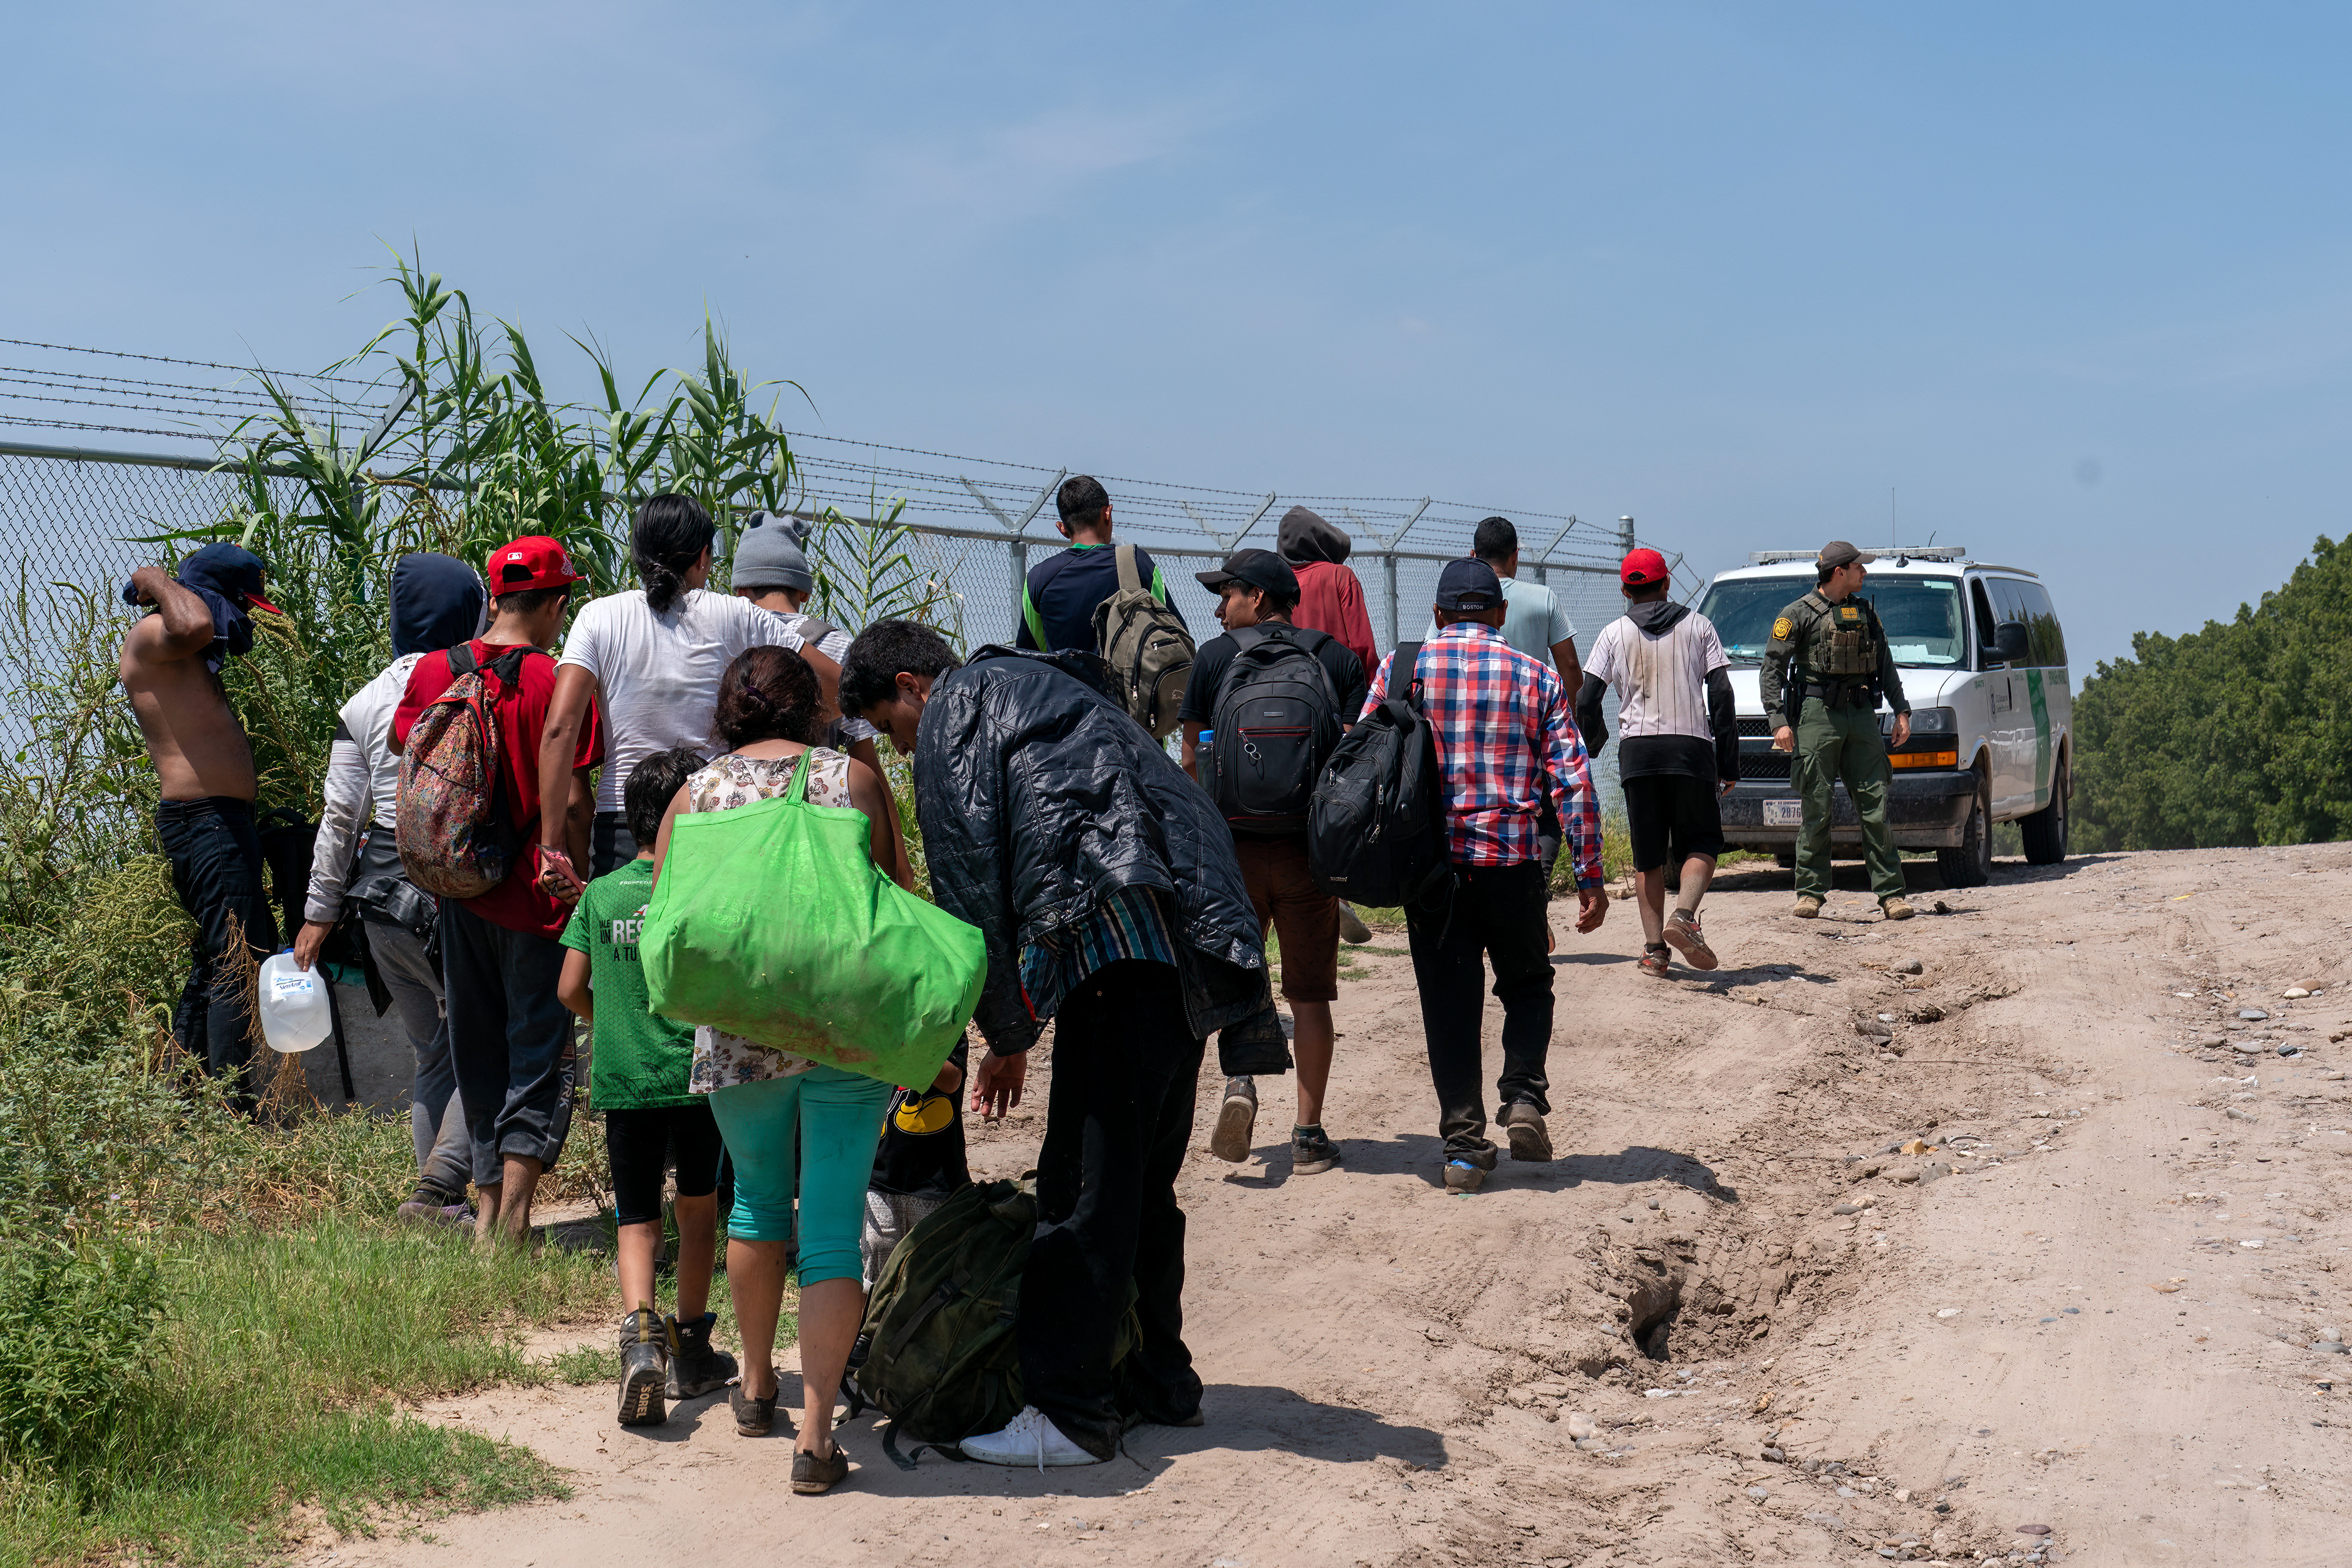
{"x": 77, "y": 1318}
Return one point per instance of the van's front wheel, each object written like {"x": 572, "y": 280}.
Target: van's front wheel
{"x": 1970, "y": 864}
{"x": 2045, "y": 830}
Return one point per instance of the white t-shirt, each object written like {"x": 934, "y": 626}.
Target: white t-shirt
{"x": 1661, "y": 680}
{"x": 834, "y": 646}
{"x": 1533, "y": 621}
{"x": 659, "y": 674}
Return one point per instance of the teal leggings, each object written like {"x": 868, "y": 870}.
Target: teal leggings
{"x": 838, "y": 1116}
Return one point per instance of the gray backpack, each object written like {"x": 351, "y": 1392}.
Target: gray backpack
{"x": 1147, "y": 646}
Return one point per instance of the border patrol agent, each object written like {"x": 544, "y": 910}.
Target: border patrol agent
{"x": 1825, "y": 668}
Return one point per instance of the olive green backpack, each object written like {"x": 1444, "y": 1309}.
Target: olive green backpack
{"x": 942, "y": 1360}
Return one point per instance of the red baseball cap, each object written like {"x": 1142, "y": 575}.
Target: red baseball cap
{"x": 1642, "y": 569}
{"x": 534, "y": 561}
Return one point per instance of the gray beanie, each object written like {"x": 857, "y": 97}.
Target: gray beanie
{"x": 768, "y": 554}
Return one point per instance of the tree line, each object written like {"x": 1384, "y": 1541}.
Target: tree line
{"x": 2237, "y": 734}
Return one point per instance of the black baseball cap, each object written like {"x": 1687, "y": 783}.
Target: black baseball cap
{"x": 1468, "y": 585}
{"x": 1257, "y": 569}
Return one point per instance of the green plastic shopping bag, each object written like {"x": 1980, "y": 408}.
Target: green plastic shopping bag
{"x": 771, "y": 921}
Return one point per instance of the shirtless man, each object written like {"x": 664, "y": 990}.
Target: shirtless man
{"x": 170, "y": 667}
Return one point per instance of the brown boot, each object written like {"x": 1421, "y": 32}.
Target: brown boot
{"x": 1896, "y": 908}
{"x": 1807, "y": 907}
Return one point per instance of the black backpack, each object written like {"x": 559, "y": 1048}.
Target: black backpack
{"x": 1376, "y": 827}
{"x": 1277, "y": 721}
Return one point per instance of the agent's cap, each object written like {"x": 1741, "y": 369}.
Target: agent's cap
{"x": 1255, "y": 569}
{"x": 1467, "y": 586}
{"x": 231, "y": 571}
{"x": 534, "y": 561}
{"x": 768, "y": 554}
{"x": 1643, "y": 568}
{"x": 1838, "y": 553}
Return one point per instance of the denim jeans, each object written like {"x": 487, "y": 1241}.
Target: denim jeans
{"x": 1118, "y": 1119}
{"x": 610, "y": 843}
{"x": 436, "y": 1113}
{"x": 511, "y": 1038}
{"x": 216, "y": 870}
{"x": 1497, "y": 915}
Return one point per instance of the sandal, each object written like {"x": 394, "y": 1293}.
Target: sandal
{"x": 753, "y": 1415}
{"x": 1657, "y": 959}
{"x": 813, "y": 1476}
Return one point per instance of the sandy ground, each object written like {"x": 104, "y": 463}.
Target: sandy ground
{"x": 1398, "y": 1376}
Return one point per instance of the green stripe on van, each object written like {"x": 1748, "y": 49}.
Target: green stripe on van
{"x": 2042, "y": 748}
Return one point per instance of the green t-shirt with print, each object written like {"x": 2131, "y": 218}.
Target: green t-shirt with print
{"x": 641, "y": 1060}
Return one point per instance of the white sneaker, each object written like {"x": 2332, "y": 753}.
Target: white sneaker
{"x": 1031, "y": 1438}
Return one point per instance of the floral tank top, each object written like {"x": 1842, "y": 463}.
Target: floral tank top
{"x": 723, "y": 1061}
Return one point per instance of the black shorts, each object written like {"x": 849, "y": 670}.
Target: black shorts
{"x": 1673, "y": 815}
{"x": 641, "y": 1143}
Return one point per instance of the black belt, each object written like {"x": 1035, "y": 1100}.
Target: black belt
{"x": 1827, "y": 689}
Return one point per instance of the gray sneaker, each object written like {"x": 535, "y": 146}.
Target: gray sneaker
{"x": 1352, "y": 929}
{"x": 1235, "y": 1120}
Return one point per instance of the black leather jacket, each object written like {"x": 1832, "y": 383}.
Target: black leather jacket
{"x": 1038, "y": 798}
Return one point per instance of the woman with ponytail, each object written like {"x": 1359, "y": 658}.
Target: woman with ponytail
{"x": 652, "y": 658}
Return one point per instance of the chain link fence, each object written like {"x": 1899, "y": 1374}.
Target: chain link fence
{"x": 78, "y": 518}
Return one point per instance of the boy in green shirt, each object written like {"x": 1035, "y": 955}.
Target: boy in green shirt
{"x": 639, "y": 1083}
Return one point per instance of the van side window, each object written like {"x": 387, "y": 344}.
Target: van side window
{"x": 2009, "y": 605}
{"x": 2048, "y": 641}
{"x": 1984, "y": 624}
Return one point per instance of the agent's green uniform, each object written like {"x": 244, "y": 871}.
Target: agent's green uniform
{"x": 1825, "y": 666}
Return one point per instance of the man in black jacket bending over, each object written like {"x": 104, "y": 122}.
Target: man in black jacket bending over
{"x": 1107, "y": 886}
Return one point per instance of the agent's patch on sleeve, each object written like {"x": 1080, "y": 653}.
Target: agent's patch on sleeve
{"x": 1781, "y": 629}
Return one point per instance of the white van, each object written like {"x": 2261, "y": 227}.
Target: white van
{"x": 1993, "y": 718}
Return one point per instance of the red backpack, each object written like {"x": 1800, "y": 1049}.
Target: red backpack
{"x": 456, "y": 836}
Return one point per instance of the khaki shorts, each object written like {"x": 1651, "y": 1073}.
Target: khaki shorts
{"x": 1306, "y": 920}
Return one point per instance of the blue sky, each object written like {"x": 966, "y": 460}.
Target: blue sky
{"x": 2071, "y": 281}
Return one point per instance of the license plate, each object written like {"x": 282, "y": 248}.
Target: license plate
{"x": 1784, "y": 814}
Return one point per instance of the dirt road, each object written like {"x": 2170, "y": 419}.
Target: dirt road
{"x": 2036, "y": 1274}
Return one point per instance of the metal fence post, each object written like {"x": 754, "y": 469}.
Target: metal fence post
{"x": 1543, "y": 560}
{"x": 1018, "y": 546}
{"x": 1389, "y": 544}
{"x": 1624, "y": 537}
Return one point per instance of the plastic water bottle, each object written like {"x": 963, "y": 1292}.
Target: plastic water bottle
{"x": 294, "y": 1016}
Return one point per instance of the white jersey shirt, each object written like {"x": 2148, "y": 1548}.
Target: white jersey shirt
{"x": 1659, "y": 678}
{"x": 659, "y": 673}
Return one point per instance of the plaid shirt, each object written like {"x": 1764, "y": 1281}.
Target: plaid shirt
{"x": 1502, "y": 722}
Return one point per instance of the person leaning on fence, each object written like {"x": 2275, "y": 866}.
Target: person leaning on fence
{"x": 1506, "y": 742}
{"x": 651, "y": 1119}
{"x": 500, "y": 959}
{"x": 791, "y": 1125}
{"x": 651, "y": 658}
{"x": 1106, "y": 886}
{"x": 1062, "y": 591}
{"x": 436, "y": 603}
{"x": 171, "y": 669}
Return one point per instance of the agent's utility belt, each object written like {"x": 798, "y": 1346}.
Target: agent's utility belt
{"x": 1842, "y": 693}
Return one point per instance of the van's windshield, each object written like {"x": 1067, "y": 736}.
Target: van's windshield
{"x": 1921, "y": 614}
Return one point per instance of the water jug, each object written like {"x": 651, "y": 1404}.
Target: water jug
{"x": 294, "y": 1014}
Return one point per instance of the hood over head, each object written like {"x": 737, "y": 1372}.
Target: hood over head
{"x": 437, "y": 602}
{"x": 1305, "y": 537}
{"x": 1656, "y": 617}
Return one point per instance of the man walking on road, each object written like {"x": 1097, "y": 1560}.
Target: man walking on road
{"x": 1535, "y": 623}
{"x": 1059, "y": 597}
{"x": 1678, "y": 753}
{"x": 171, "y": 668}
{"x": 1256, "y": 594}
{"x": 1106, "y": 888}
{"x": 1825, "y": 669}
{"x": 1507, "y": 742}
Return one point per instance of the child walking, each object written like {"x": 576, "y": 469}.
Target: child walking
{"x": 639, "y": 1082}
